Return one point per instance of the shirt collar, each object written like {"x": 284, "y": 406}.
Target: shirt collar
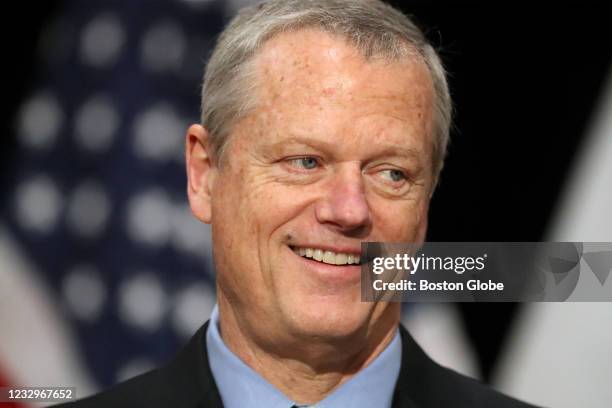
{"x": 242, "y": 387}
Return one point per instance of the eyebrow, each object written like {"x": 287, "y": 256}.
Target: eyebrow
{"x": 317, "y": 144}
{"x": 322, "y": 145}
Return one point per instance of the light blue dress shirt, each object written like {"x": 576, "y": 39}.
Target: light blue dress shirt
{"x": 242, "y": 387}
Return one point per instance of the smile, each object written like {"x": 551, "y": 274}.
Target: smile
{"x": 328, "y": 257}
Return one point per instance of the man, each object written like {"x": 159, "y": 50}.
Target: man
{"x": 324, "y": 124}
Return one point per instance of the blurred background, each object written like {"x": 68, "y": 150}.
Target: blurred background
{"x": 104, "y": 273}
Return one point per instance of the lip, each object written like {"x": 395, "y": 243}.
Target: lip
{"x": 344, "y": 275}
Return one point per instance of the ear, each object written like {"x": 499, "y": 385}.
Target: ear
{"x": 201, "y": 171}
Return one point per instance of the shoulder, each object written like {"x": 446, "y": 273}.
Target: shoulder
{"x": 424, "y": 383}
{"x": 186, "y": 381}
{"x": 146, "y": 390}
{"x": 454, "y": 389}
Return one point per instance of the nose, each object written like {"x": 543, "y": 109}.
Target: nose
{"x": 344, "y": 204}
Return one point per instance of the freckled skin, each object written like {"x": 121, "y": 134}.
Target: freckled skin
{"x": 317, "y": 97}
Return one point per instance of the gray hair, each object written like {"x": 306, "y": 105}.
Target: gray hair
{"x": 373, "y": 27}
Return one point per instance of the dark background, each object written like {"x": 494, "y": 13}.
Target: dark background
{"x": 524, "y": 80}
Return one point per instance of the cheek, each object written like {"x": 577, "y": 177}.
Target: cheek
{"x": 399, "y": 221}
{"x": 233, "y": 221}
{"x": 235, "y": 228}
{"x": 252, "y": 205}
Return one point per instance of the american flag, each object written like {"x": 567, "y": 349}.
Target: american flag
{"x": 104, "y": 271}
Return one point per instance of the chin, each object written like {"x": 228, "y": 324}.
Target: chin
{"x": 331, "y": 319}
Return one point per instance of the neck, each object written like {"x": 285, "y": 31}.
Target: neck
{"x": 307, "y": 370}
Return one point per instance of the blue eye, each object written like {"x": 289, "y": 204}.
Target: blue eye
{"x": 394, "y": 175}
{"x": 307, "y": 163}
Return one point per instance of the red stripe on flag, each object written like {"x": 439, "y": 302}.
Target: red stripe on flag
{"x": 4, "y": 382}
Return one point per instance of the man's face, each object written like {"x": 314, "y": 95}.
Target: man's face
{"x": 337, "y": 152}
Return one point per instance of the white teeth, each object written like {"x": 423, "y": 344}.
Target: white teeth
{"x": 327, "y": 257}
{"x": 341, "y": 259}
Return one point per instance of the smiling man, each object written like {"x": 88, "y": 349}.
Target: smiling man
{"x": 338, "y": 151}
{"x": 324, "y": 124}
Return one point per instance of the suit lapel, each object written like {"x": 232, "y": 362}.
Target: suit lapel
{"x": 189, "y": 374}
{"x": 415, "y": 366}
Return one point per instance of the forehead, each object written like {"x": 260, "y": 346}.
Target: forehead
{"x": 312, "y": 67}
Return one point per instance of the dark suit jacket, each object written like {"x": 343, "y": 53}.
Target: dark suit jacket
{"x": 187, "y": 382}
